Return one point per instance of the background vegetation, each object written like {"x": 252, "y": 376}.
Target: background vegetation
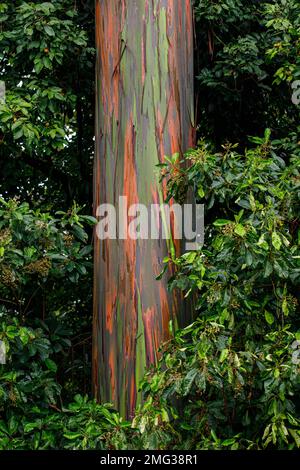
{"x": 232, "y": 378}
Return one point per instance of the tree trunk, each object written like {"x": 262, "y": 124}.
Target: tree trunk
{"x": 144, "y": 111}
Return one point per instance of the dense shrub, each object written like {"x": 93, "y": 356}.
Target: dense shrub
{"x": 242, "y": 47}
{"x": 42, "y": 260}
{"x": 235, "y": 370}
{"x": 83, "y": 425}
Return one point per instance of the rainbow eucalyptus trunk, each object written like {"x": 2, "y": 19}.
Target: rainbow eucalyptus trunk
{"x": 144, "y": 111}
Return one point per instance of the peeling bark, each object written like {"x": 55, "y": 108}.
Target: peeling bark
{"x": 144, "y": 111}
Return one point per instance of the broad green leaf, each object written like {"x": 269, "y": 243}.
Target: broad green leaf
{"x": 224, "y": 354}
{"x": 221, "y": 222}
{"x": 51, "y": 365}
{"x": 49, "y": 30}
{"x": 269, "y": 317}
{"x": 240, "y": 230}
{"x": 276, "y": 241}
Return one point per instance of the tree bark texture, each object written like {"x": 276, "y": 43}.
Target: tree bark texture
{"x": 144, "y": 111}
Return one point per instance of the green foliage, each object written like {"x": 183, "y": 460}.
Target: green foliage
{"x": 34, "y": 245}
{"x": 235, "y": 370}
{"x": 244, "y": 48}
{"x": 283, "y": 20}
{"x": 46, "y": 121}
{"x": 83, "y": 425}
{"x": 46, "y": 151}
{"x": 42, "y": 260}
